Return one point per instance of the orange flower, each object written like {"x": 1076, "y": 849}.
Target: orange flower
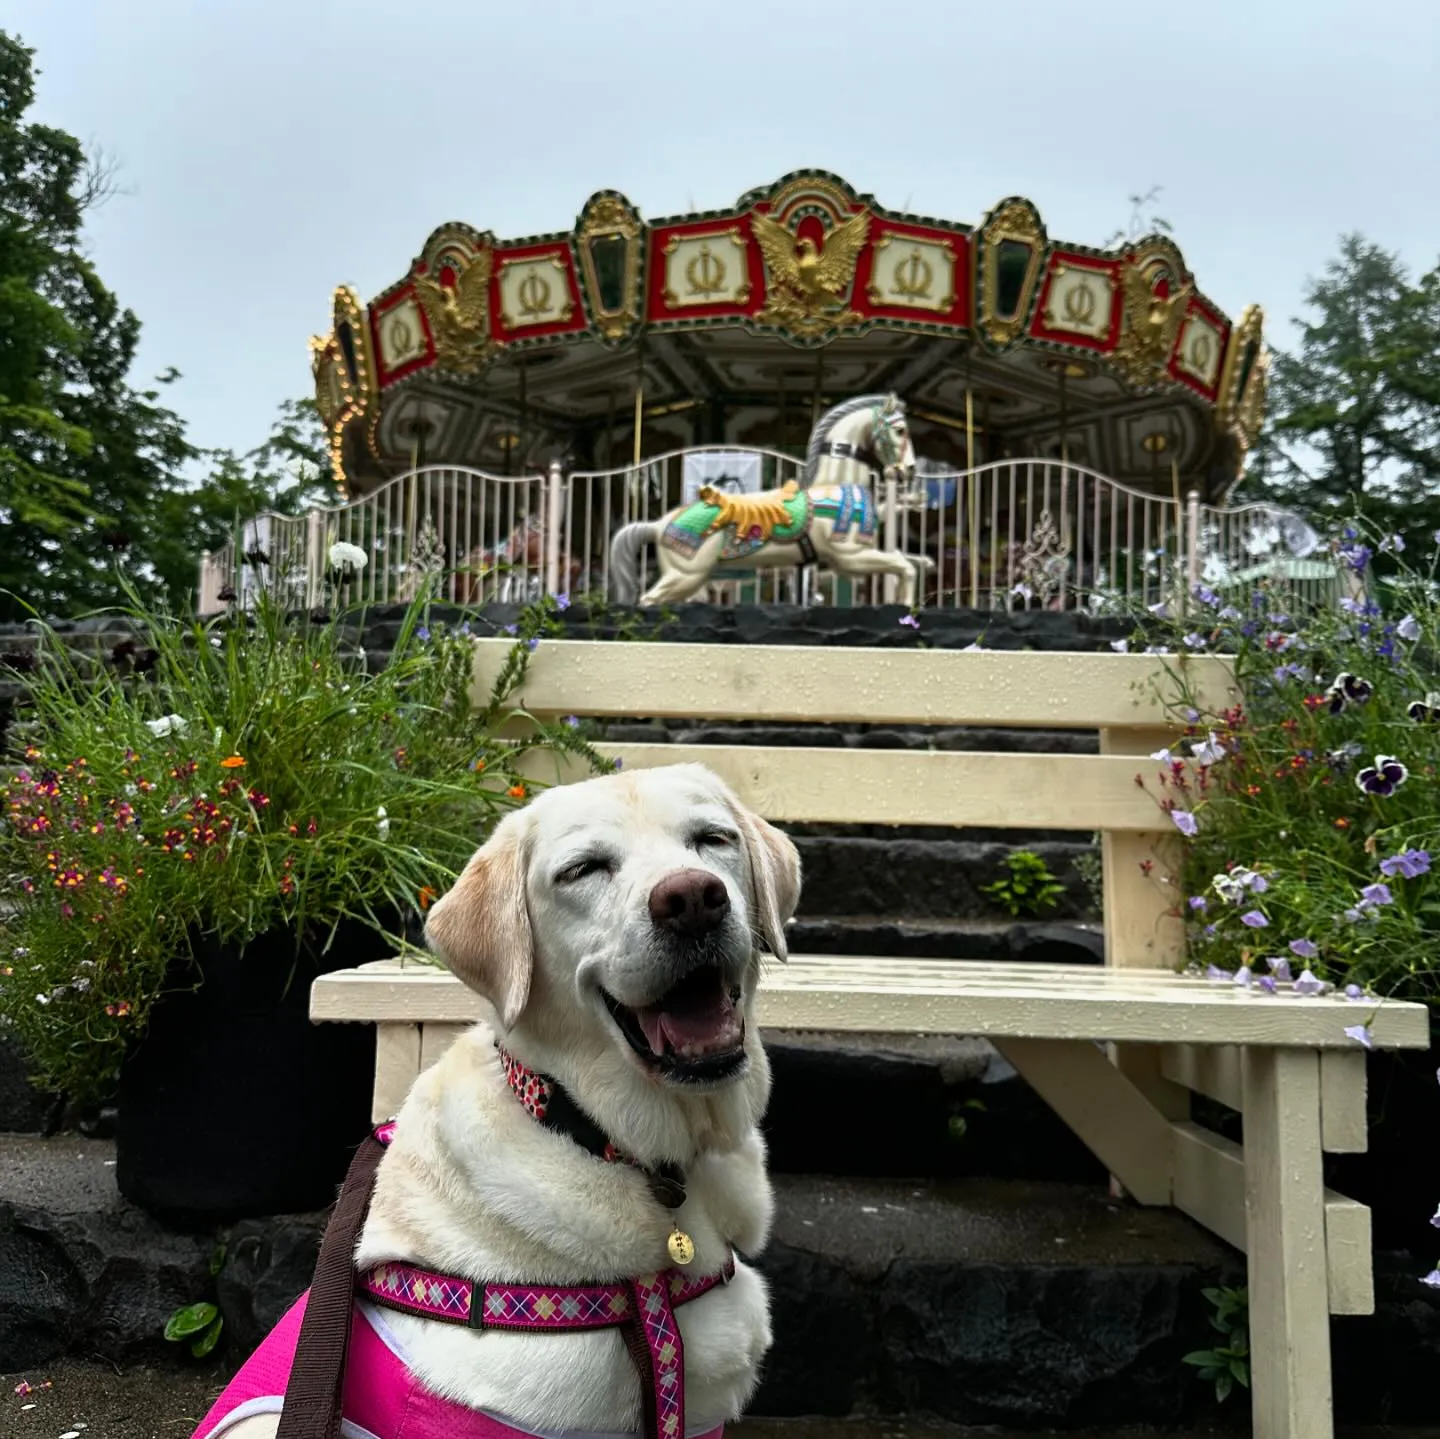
{"x": 233, "y": 761}
{"x": 516, "y": 791}
{"x": 427, "y": 897}
{"x": 1342, "y": 823}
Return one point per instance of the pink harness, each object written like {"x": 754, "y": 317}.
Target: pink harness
{"x": 384, "y": 1400}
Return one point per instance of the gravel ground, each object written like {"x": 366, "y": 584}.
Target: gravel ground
{"x": 88, "y": 1400}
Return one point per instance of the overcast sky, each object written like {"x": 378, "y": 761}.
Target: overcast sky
{"x": 271, "y": 149}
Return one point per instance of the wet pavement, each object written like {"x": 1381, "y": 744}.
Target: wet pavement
{"x": 90, "y": 1400}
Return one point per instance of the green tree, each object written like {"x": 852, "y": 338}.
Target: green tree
{"x": 1354, "y": 410}
{"x": 287, "y": 474}
{"x": 83, "y": 455}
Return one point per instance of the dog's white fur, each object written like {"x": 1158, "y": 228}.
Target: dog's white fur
{"x": 473, "y": 1186}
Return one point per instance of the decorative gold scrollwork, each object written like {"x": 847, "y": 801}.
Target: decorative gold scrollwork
{"x": 609, "y": 220}
{"x": 1015, "y": 224}
{"x": 914, "y": 276}
{"x": 1152, "y": 321}
{"x": 460, "y": 316}
{"x": 705, "y": 273}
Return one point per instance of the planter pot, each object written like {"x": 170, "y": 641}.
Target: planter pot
{"x": 234, "y": 1105}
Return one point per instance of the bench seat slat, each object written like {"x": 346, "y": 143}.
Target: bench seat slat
{"x": 1075, "y": 690}
{"x": 861, "y": 994}
{"x": 912, "y": 787}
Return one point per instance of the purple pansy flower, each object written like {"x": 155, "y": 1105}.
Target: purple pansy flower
{"x": 1308, "y": 984}
{"x": 1266, "y": 984}
{"x": 1197, "y": 902}
{"x": 1374, "y": 894}
{"x": 910, "y": 621}
{"x": 1254, "y": 919}
{"x": 1426, "y": 711}
{"x": 1356, "y": 556}
{"x": 1354, "y": 992}
{"x": 1347, "y": 689}
{"x": 562, "y": 602}
{"x": 1214, "y": 972}
{"x": 1408, "y": 629}
{"x": 1304, "y": 948}
{"x": 1280, "y": 968}
{"x": 1432, "y": 1279}
{"x": 1184, "y": 821}
{"x": 1243, "y": 976}
{"x": 1382, "y": 778}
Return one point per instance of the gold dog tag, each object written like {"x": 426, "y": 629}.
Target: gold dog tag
{"x": 681, "y": 1246}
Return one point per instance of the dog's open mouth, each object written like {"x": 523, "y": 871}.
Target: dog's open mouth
{"x": 693, "y": 1032}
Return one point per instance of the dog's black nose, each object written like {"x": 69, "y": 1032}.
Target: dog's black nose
{"x": 689, "y": 903}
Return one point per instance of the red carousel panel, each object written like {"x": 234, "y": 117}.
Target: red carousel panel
{"x": 913, "y": 274}
{"x": 534, "y": 293}
{"x": 1200, "y": 349}
{"x": 1081, "y": 301}
{"x": 704, "y": 270}
{"x": 400, "y": 335}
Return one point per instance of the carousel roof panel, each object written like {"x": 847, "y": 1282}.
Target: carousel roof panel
{"x": 806, "y": 289}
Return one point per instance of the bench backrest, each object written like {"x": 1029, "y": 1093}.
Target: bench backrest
{"x": 1123, "y": 697}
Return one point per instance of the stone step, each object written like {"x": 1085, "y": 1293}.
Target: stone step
{"x": 924, "y": 1106}
{"x": 925, "y": 879}
{"x": 1041, "y": 942}
{"x": 975, "y": 1302}
{"x": 824, "y": 734}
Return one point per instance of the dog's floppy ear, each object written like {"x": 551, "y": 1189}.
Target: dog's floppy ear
{"x": 774, "y": 876}
{"x": 481, "y": 927}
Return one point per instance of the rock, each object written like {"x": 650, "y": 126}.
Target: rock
{"x": 80, "y": 1269}
{"x": 1031, "y": 1305}
{"x": 23, "y": 1108}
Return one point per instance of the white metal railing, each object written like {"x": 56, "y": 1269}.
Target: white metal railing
{"x": 1012, "y": 534}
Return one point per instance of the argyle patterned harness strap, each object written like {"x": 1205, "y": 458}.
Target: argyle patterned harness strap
{"x": 643, "y": 1309}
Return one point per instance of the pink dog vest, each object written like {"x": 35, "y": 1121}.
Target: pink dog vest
{"x": 383, "y": 1400}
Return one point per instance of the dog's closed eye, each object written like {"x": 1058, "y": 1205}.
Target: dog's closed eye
{"x": 580, "y": 869}
{"x": 714, "y": 839}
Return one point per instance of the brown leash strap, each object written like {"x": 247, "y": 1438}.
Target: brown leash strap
{"x": 640, "y": 1356}
{"x": 317, "y": 1375}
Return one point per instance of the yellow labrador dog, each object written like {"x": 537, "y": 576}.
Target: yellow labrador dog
{"x": 597, "y": 1144}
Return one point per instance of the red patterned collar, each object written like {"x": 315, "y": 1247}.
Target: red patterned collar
{"x": 550, "y": 1104}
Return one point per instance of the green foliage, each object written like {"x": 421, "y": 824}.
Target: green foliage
{"x": 83, "y": 455}
{"x": 1228, "y": 1363}
{"x": 1354, "y": 411}
{"x": 1091, "y": 869}
{"x": 201, "y": 1324}
{"x": 227, "y": 779}
{"x": 1028, "y": 888}
{"x": 1313, "y": 800}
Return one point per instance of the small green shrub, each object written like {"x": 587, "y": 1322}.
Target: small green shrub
{"x": 1228, "y": 1363}
{"x": 1028, "y": 888}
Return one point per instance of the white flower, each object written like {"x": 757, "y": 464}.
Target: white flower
{"x": 167, "y": 725}
{"x": 1408, "y": 629}
{"x": 1121, "y": 647}
{"x": 1209, "y": 751}
{"x": 384, "y": 822}
{"x": 347, "y": 557}
{"x": 1163, "y": 756}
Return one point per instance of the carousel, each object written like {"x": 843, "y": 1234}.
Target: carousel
{"x": 743, "y": 331}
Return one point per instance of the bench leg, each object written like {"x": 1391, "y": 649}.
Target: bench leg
{"x": 1285, "y": 1230}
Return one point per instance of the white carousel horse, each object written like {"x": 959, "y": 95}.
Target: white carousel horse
{"x": 831, "y": 521}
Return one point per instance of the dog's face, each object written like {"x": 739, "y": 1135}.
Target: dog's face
{"x": 634, "y": 905}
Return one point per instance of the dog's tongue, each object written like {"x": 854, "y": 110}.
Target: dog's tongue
{"x": 695, "y": 1019}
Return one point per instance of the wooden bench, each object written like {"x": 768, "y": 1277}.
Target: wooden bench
{"x": 1116, "y": 1050}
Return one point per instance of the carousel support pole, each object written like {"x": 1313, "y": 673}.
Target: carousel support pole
{"x": 972, "y": 536}
{"x": 1181, "y": 543}
{"x": 314, "y": 556}
{"x": 1064, "y": 424}
{"x": 890, "y": 534}
{"x": 819, "y": 380}
{"x": 639, "y": 422}
{"x": 1192, "y": 538}
{"x": 554, "y": 496}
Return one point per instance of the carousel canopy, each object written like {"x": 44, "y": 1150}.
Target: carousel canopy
{"x": 738, "y": 326}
